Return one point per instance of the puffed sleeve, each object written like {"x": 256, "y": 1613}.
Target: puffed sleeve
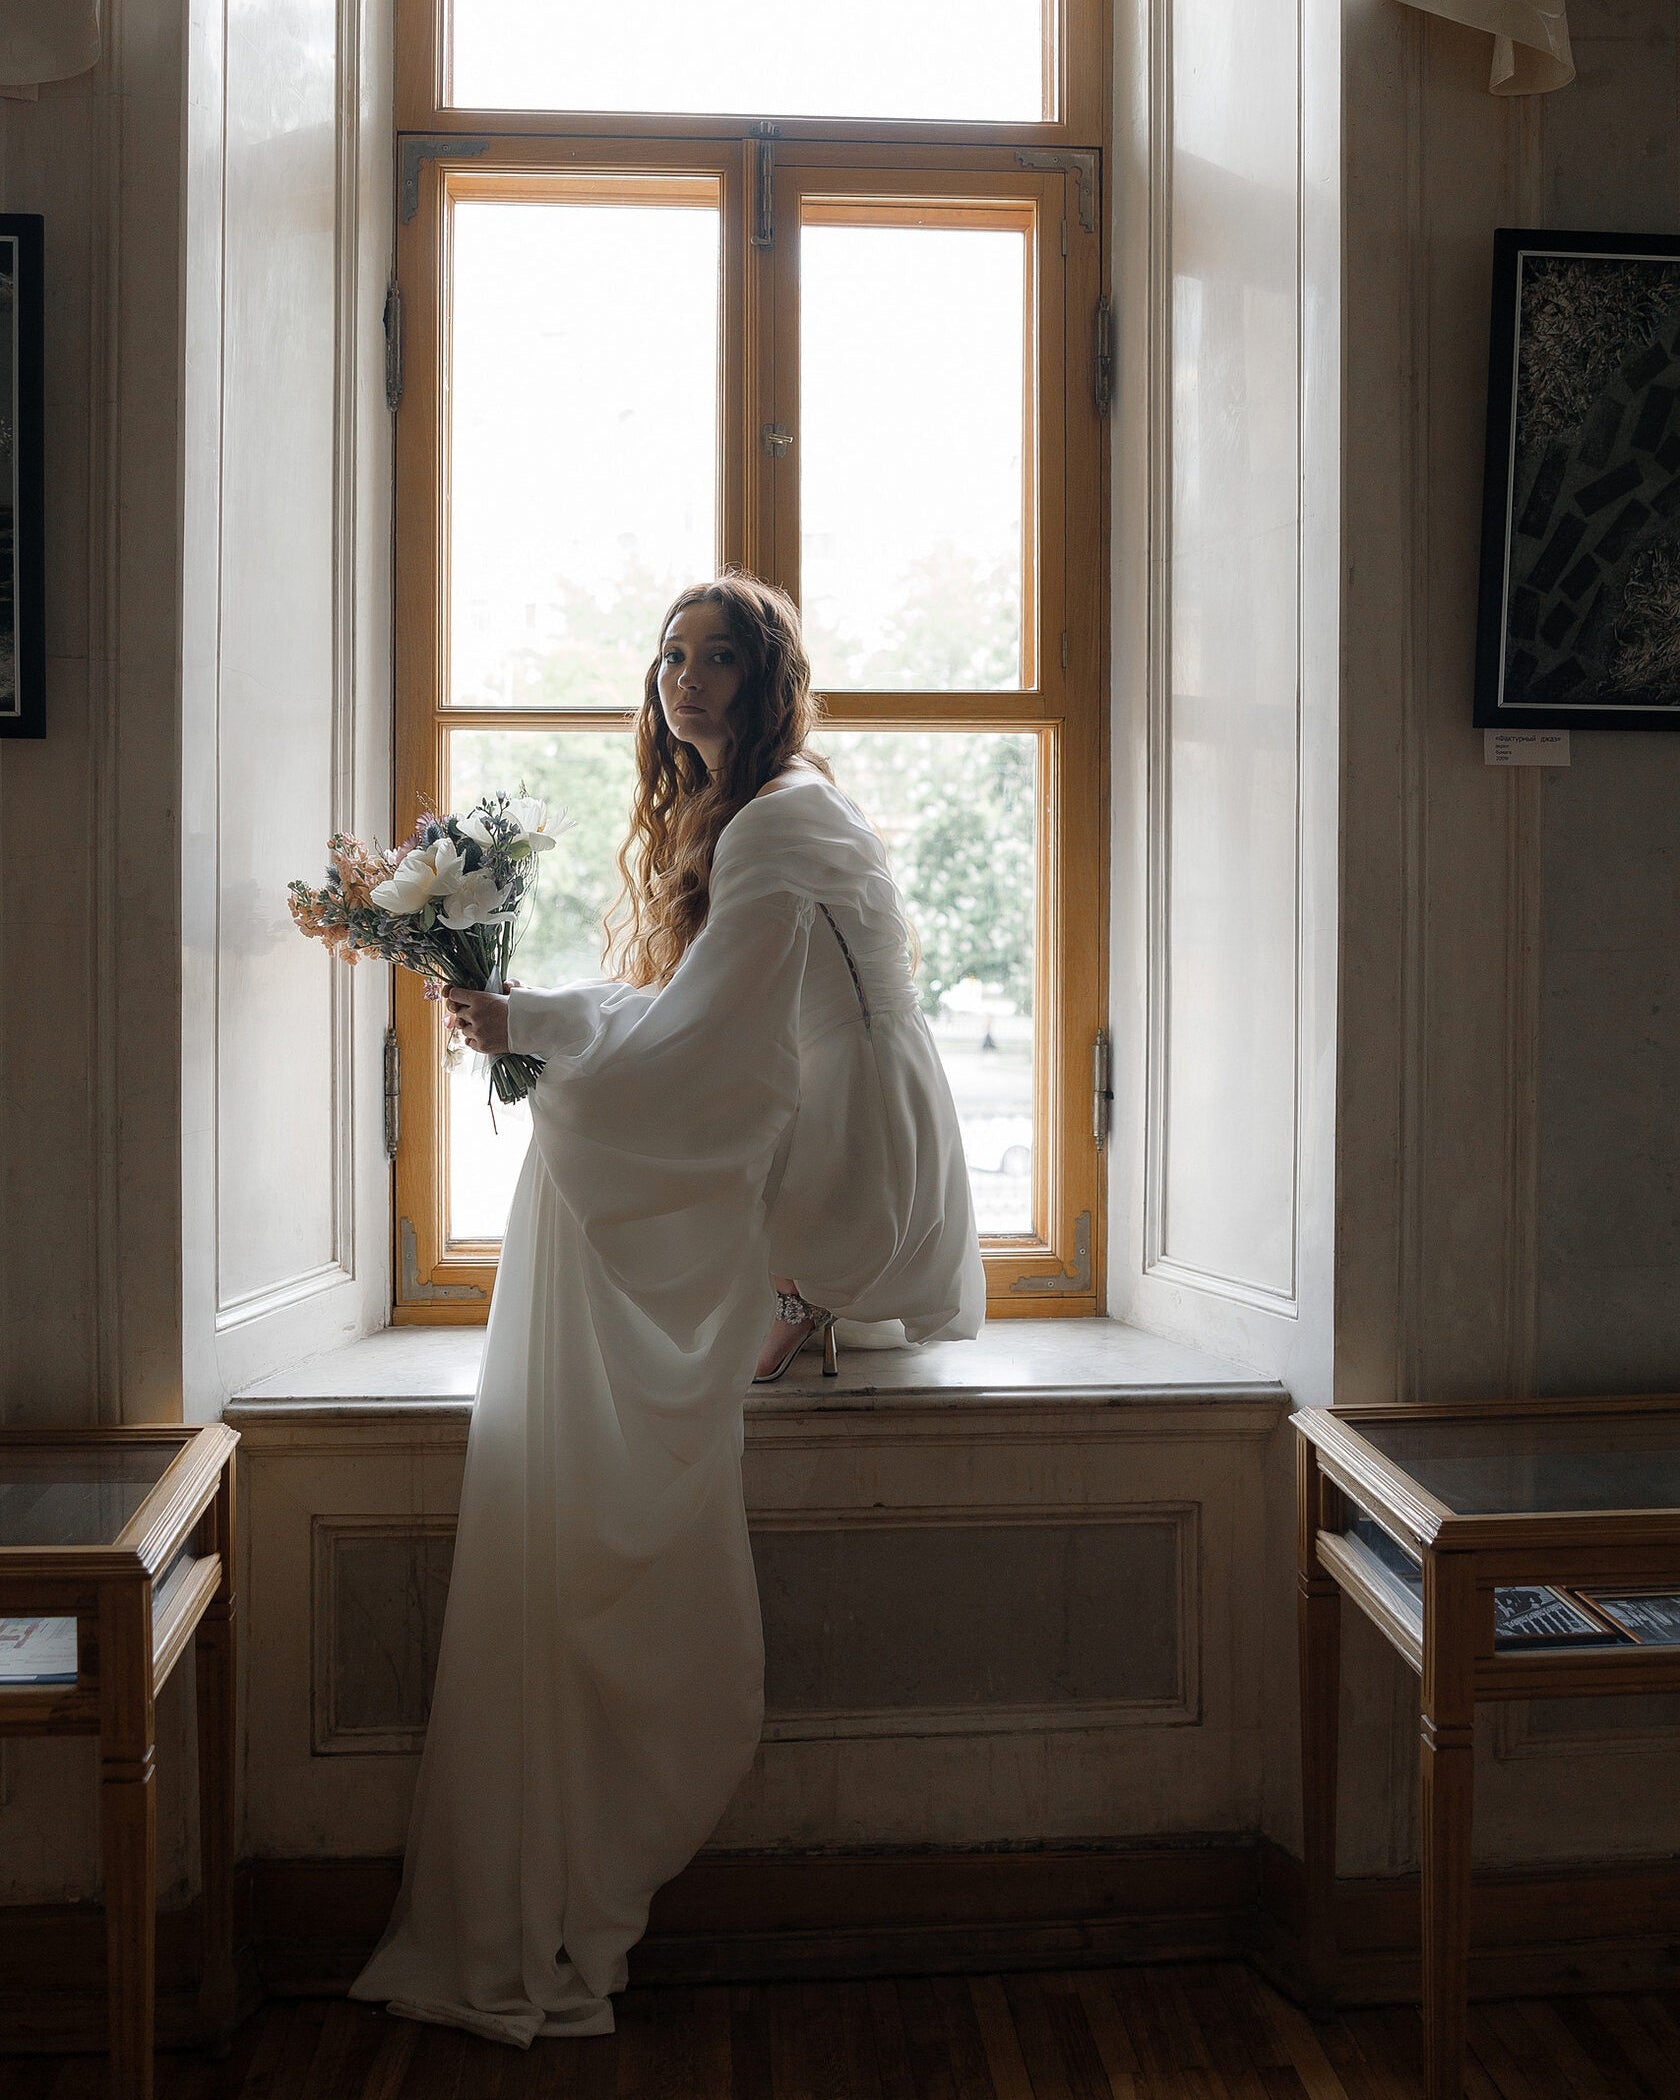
{"x": 659, "y": 1113}
{"x": 705, "y": 1067}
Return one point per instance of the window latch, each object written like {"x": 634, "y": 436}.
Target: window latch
{"x": 776, "y": 439}
{"x": 1102, "y": 1091}
{"x": 764, "y": 186}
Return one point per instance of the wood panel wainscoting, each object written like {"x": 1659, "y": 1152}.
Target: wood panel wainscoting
{"x": 307, "y": 1925}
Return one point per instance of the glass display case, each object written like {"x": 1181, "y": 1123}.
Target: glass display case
{"x": 116, "y": 1550}
{"x": 1515, "y": 1551}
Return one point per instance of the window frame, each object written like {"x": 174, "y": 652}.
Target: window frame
{"x": 447, "y": 155}
{"x": 1079, "y": 61}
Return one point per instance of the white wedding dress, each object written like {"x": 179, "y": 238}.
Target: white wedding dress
{"x": 600, "y": 1686}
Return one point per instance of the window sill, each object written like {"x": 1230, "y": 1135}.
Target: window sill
{"x": 424, "y": 1378}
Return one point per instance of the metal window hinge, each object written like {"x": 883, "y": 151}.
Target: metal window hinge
{"x": 393, "y": 346}
{"x": 393, "y": 1093}
{"x": 1102, "y": 1092}
{"x": 1074, "y": 1282}
{"x": 764, "y": 187}
{"x": 1102, "y": 357}
{"x": 1080, "y": 162}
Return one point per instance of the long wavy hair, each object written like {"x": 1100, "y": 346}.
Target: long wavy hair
{"x": 680, "y": 806}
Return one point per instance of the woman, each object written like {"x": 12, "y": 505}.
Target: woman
{"x": 754, "y": 1093}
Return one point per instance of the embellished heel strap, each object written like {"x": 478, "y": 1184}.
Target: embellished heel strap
{"x": 795, "y": 1310}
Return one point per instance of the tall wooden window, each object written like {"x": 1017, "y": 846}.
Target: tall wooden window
{"x": 856, "y": 348}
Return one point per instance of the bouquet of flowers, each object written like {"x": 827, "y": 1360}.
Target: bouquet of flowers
{"x": 446, "y": 904}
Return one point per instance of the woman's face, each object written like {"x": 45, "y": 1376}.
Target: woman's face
{"x": 699, "y": 677}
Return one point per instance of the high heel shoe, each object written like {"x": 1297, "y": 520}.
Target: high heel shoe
{"x": 812, "y": 1320}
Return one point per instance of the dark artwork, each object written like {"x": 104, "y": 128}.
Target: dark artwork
{"x": 1580, "y": 599}
{"x": 8, "y": 477}
{"x": 23, "y": 665}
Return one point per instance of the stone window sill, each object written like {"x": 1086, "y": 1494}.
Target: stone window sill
{"x": 416, "y": 1375}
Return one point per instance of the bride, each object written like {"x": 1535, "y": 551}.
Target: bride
{"x": 752, "y": 1099}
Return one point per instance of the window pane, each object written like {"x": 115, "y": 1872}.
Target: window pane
{"x": 584, "y": 442}
{"x": 913, "y": 398}
{"x": 588, "y": 773}
{"x": 974, "y": 60}
{"x": 958, "y": 814}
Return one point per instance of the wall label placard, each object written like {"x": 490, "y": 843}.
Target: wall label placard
{"x": 1526, "y": 747}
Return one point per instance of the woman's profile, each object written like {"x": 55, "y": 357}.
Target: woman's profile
{"x": 741, "y": 1133}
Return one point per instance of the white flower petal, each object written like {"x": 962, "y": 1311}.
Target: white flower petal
{"x": 473, "y": 900}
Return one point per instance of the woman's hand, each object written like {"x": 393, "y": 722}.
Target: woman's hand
{"x": 481, "y": 1019}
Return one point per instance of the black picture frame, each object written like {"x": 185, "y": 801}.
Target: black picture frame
{"x": 1579, "y": 622}
{"x": 23, "y": 572}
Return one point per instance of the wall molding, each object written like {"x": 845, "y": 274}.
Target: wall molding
{"x": 1182, "y": 1708}
{"x": 1514, "y": 1737}
{"x": 347, "y": 233}
{"x": 1413, "y": 1031}
{"x": 105, "y": 699}
{"x": 1283, "y": 1305}
{"x": 278, "y": 1297}
{"x": 1525, "y": 903}
{"x": 1158, "y": 614}
{"x": 329, "y": 1735}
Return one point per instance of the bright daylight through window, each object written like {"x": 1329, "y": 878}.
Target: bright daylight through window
{"x": 787, "y": 321}
{"x": 976, "y": 59}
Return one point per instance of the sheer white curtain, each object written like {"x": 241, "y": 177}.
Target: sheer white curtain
{"x": 46, "y": 40}
{"x": 1530, "y": 40}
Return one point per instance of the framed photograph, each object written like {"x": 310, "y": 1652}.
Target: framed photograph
{"x": 1651, "y": 1617}
{"x": 1537, "y": 1615}
{"x": 37, "y": 1651}
{"x": 23, "y": 587}
{"x": 1579, "y": 624}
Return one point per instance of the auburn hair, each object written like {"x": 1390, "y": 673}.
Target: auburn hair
{"x": 680, "y": 805}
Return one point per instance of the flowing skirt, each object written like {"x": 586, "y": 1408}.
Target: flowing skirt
{"x": 600, "y": 1686}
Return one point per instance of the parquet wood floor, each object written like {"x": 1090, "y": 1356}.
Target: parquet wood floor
{"x": 1180, "y": 2033}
